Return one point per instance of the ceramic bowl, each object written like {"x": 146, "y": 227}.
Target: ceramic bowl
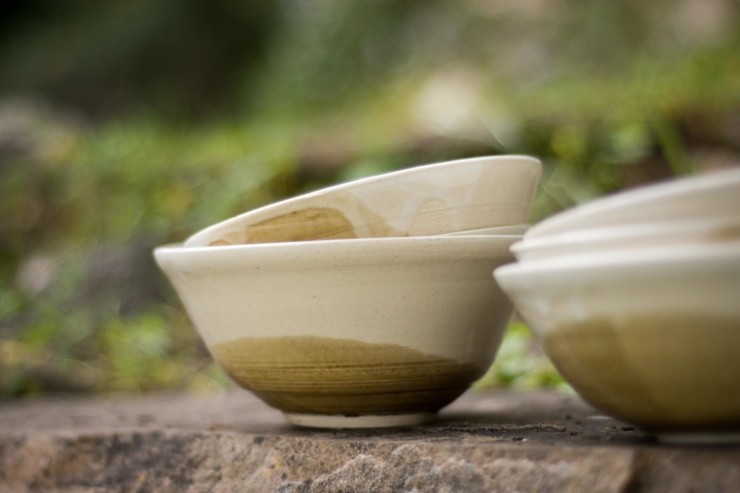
{"x": 620, "y": 238}
{"x": 424, "y": 200}
{"x": 696, "y": 197}
{"x": 651, "y": 337}
{"x": 335, "y": 333}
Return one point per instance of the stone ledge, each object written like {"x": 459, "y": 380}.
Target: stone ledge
{"x": 486, "y": 441}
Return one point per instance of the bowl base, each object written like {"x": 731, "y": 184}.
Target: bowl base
{"x": 339, "y": 421}
{"x": 699, "y": 438}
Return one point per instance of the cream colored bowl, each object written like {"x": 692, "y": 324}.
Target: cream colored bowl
{"x": 714, "y": 230}
{"x": 425, "y": 200}
{"x": 336, "y": 333}
{"x": 697, "y": 197}
{"x": 651, "y": 337}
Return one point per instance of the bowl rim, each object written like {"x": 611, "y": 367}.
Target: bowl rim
{"x": 338, "y": 253}
{"x": 605, "y": 234}
{"x": 668, "y": 190}
{"x": 642, "y": 259}
{"x": 368, "y": 180}
{"x": 349, "y": 243}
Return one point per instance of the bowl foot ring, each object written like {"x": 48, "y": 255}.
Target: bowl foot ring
{"x": 340, "y": 421}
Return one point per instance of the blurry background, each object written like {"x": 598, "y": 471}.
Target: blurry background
{"x": 129, "y": 124}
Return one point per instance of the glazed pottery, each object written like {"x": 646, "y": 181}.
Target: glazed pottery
{"x": 650, "y": 336}
{"x": 424, "y": 200}
{"x": 334, "y": 333}
{"x": 696, "y": 197}
{"x": 712, "y": 230}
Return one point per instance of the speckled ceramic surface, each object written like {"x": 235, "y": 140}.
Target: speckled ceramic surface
{"x": 649, "y": 336}
{"x": 695, "y": 197}
{"x": 369, "y": 332}
{"x": 424, "y": 200}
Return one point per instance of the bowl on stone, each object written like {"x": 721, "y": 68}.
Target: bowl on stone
{"x": 648, "y": 335}
{"x": 373, "y": 332}
{"x": 424, "y": 200}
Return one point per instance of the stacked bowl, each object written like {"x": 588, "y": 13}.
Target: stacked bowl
{"x": 636, "y": 300}
{"x": 366, "y": 304}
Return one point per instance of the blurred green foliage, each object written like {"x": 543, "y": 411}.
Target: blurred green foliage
{"x": 521, "y": 364}
{"x": 124, "y": 125}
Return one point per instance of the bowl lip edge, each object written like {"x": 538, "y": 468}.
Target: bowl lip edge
{"x": 667, "y": 189}
{"x": 343, "y": 244}
{"x": 630, "y": 231}
{"x": 643, "y": 259}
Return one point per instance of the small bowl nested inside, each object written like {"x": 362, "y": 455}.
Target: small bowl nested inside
{"x": 433, "y": 199}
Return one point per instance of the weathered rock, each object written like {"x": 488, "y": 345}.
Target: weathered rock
{"x": 490, "y": 441}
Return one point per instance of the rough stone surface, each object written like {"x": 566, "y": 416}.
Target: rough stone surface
{"x": 486, "y": 441}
